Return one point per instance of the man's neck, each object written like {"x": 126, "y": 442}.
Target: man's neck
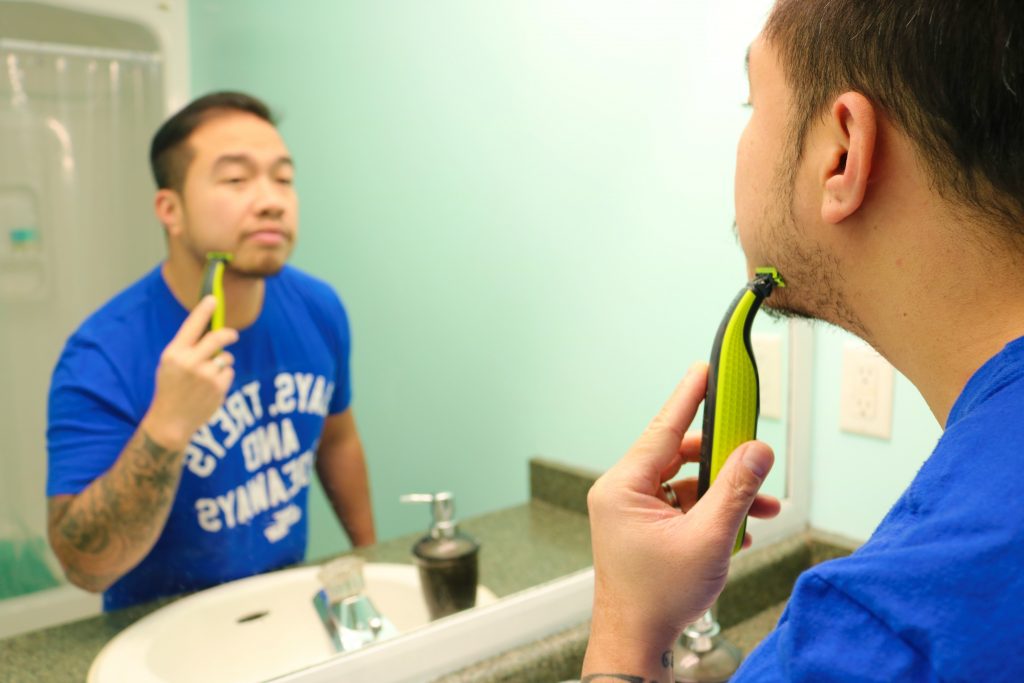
{"x": 943, "y": 317}
{"x": 243, "y": 295}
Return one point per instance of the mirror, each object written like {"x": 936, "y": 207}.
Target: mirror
{"x": 525, "y": 205}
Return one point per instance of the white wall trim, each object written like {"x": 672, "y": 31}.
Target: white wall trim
{"x": 794, "y": 517}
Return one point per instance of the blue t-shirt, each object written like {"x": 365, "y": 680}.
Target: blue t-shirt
{"x": 937, "y": 593}
{"x": 241, "y": 506}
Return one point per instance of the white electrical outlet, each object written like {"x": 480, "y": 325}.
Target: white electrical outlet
{"x": 767, "y": 349}
{"x": 865, "y": 405}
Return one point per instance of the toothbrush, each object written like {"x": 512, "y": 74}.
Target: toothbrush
{"x": 213, "y": 283}
{"x": 732, "y": 400}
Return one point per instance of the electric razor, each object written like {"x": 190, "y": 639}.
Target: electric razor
{"x": 213, "y": 283}
{"x": 732, "y": 402}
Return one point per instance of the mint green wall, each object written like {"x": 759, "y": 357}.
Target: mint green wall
{"x": 526, "y": 206}
{"x": 856, "y": 479}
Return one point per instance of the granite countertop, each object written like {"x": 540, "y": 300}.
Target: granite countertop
{"x": 545, "y": 538}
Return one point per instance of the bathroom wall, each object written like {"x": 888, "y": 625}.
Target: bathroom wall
{"x": 856, "y": 479}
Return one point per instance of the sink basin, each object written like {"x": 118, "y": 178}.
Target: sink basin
{"x": 252, "y": 629}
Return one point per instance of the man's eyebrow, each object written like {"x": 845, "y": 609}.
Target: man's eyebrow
{"x": 227, "y": 159}
{"x": 246, "y": 160}
{"x": 746, "y": 62}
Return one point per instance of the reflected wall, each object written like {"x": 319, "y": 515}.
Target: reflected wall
{"x": 526, "y": 206}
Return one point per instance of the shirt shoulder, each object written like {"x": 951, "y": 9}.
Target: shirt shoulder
{"x": 935, "y": 593}
{"x": 292, "y": 282}
{"x": 293, "y": 291}
{"x": 825, "y": 636}
{"x": 136, "y": 324}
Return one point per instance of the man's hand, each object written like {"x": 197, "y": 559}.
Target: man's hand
{"x": 103, "y": 532}
{"x": 657, "y": 568}
{"x": 192, "y": 379}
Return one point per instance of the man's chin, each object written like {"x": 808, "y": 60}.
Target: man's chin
{"x": 778, "y": 309}
{"x": 258, "y": 268}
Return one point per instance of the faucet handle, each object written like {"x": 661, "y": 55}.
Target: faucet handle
{"x": 342, "y": 578}
{"x": 442, "y": 507}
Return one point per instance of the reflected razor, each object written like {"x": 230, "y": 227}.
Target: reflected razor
{"x": 731, "y": 405}
{"x": 213, "y": 283}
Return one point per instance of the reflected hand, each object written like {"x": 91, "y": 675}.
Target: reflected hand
{"x": 192, "y": 379}
{"x": 657, "y": 568}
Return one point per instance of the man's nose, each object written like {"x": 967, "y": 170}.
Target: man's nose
{"x": 271, "y": 198}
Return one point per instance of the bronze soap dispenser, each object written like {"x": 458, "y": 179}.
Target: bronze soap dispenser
{"x": 446, "y": 557}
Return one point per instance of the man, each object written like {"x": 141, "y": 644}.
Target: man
{"x": 181, "y": 458}
{"x": 882, "y": 172}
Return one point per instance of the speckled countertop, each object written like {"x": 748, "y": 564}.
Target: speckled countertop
{"x": 543, "y": 539}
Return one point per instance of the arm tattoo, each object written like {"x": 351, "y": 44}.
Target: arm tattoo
{"x": 124, "y": 510}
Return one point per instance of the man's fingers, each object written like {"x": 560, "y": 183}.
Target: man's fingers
{"x": 689, "y": 449}
{"x": 765, "y": 507}
{"x": 659, "y": 445}
{"x": 196, "y": 322}
{"x": 735, "y": 489}
{"x": 213, "y": 342}
{"x": 686, "y": 493}
{"x": 222, "y": 361}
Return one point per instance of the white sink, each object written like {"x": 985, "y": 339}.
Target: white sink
{"x": 251, "y": 630}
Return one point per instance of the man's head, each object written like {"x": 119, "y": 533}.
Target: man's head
{"x": 860, "y": 82}
{"x": 948, "y": 74}
{"x": 224, "y": 183}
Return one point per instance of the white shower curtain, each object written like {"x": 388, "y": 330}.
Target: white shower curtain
{"x": 76, "y": 225}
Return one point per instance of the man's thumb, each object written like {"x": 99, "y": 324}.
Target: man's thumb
{"x": 738, "y": 482}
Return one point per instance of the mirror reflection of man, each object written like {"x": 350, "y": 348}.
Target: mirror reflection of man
{"x": 181, "y": 458}
{"x": 882, "y": 172}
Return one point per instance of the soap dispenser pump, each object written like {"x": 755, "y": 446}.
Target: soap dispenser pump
{"x": 446, "y": 557}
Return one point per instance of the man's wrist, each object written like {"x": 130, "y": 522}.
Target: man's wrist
{"x": 164, "y": 433}
{"x": 618, "y": 649}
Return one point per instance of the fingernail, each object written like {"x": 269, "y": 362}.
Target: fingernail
{"x": 757, "y": 459}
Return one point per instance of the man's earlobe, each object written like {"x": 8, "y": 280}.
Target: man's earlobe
{"x": 853, "y": 126}
{"x": 167, "y": 206}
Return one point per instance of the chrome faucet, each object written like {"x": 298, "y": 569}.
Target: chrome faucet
{"x": 350, "y": 617}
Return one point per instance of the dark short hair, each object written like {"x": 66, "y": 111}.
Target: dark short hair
{"x": 169, "y": 154}
{"x": 948, "y": 73}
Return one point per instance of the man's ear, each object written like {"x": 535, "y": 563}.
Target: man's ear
{"x": 168, "y": 209}
{"x": 852, "y": 126}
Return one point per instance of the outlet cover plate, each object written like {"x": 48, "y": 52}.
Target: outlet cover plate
{"x": 767, "y": 348}
{"x": 865, "y": 405}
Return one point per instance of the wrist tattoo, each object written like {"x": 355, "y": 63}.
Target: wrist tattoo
{"x": 667, "y": 661}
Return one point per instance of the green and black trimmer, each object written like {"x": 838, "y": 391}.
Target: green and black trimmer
{"x": 213, "y": 283}
{"x": 733, "y": 397}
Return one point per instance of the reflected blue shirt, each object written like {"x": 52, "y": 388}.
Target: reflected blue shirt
{"x": 240, "y": 508}
{"x": 937, "y": 592}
